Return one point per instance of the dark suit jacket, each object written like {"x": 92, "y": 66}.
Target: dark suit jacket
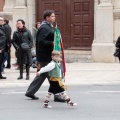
{"x": 44, "y": 42}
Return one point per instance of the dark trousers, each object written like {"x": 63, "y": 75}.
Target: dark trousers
{"x": 9, "y": 58}
{"x": 1, "y": 60}
{"x": 37, "y": 82}
{"x": 5, "y": 57}
{"x": 27, "y": 69}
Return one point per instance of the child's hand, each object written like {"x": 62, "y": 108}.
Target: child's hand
{"x": 37, "y": 74}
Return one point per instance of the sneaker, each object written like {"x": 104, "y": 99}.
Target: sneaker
{"x": 34, "y": 66}
{"x": 1, "y": 77}
{"x": 47, "y": 106}
{"x": 72, "y": 103}
{"x": 8, "y": 66}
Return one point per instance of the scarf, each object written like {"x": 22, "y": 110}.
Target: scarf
{"x": 21, "y": 30}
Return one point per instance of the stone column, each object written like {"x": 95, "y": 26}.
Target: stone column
{"x": 19, "y": 12}
{"x": 8, "y": 7}
{"x": 116, "y": 13}
{"x": 8, "y": 11}
{"x": 117, "y": 4}
{"x": 116, "y": 26}
{"x": 31, "y": 14}
{"x": 20, "y": 2}
{"x": 103, "y": 47}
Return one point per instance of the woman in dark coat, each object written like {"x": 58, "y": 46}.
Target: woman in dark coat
{"x": 22, "y": 35}
{"x": 118, "y": 42}
{"x": 118, "y": 46}
{"x": 35, "y": 29}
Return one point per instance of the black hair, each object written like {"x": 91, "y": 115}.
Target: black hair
{"x": 48, "y": 13}
{"x": 23, "y": 22}
{"x": 6, "y": 21}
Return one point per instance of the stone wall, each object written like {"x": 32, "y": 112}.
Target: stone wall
{"x": 2, "y": 2}
{"x": 19, "y": 9}
{"x": 103, "y": 45}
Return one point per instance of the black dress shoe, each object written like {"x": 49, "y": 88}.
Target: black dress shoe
{"x": 20, "y": 77}
{"x": 58, "y": 98}
{"x": 32, "y": 97}
{"x": 1, "y": 77}
{"x": 8, "y": 66}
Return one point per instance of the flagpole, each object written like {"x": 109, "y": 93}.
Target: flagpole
{"x": 56, "y": 25}
{"x": 55, "y": 34}
{"x": 59, "y": 46}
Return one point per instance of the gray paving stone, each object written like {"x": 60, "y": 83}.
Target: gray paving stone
{"x": 77, "y": 73}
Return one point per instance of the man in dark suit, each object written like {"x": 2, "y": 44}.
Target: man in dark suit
{"x": 8, "y": 50}
{"x": 44, "y": 48}
{"x": 3, "y": 42}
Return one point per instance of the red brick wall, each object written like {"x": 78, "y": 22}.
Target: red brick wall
{"x": 2, "y": 2}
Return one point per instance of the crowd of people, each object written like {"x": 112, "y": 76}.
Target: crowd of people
{"x": 23, "y": 42}
{"x": 5, "y": 45}
{"x": 25, "y": 58}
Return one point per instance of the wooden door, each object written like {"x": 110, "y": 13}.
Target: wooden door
{"x": 75, "y": 19}
{"x": 82, "y": 23}
{"x": 58, "y": 6}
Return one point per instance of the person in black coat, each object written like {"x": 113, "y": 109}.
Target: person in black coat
{"x": 118, "y": 46}
{"x": 3, "y": 42}
{"x": 8, "y": 32}
{"x": 118, "y": 42}
{"x": 44, "y": 48}
{"x": 22, "y": 36}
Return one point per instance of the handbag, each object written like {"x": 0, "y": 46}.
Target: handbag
{"x": 117, "y": 52}
{"x": 33, "y": 51}
{"x": 25, "y": 46}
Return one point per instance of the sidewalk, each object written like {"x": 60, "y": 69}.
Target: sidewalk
{"x": 77, "y": 73}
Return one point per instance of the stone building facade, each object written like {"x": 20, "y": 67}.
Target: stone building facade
{"x": 106, "y": 23}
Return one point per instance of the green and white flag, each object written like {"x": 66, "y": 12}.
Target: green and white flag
{"x": 58, "y": 45}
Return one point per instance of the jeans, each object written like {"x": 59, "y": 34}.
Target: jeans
{"x": 34, "y": 60}
{"x": 5, "y": 57}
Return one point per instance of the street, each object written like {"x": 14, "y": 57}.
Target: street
{"x": 95, "y": 102}
{"x": 95, "y": 87}
{"x": 85, "y": 32}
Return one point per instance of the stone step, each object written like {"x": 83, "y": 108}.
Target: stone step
{"x": 78, "y": 56}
